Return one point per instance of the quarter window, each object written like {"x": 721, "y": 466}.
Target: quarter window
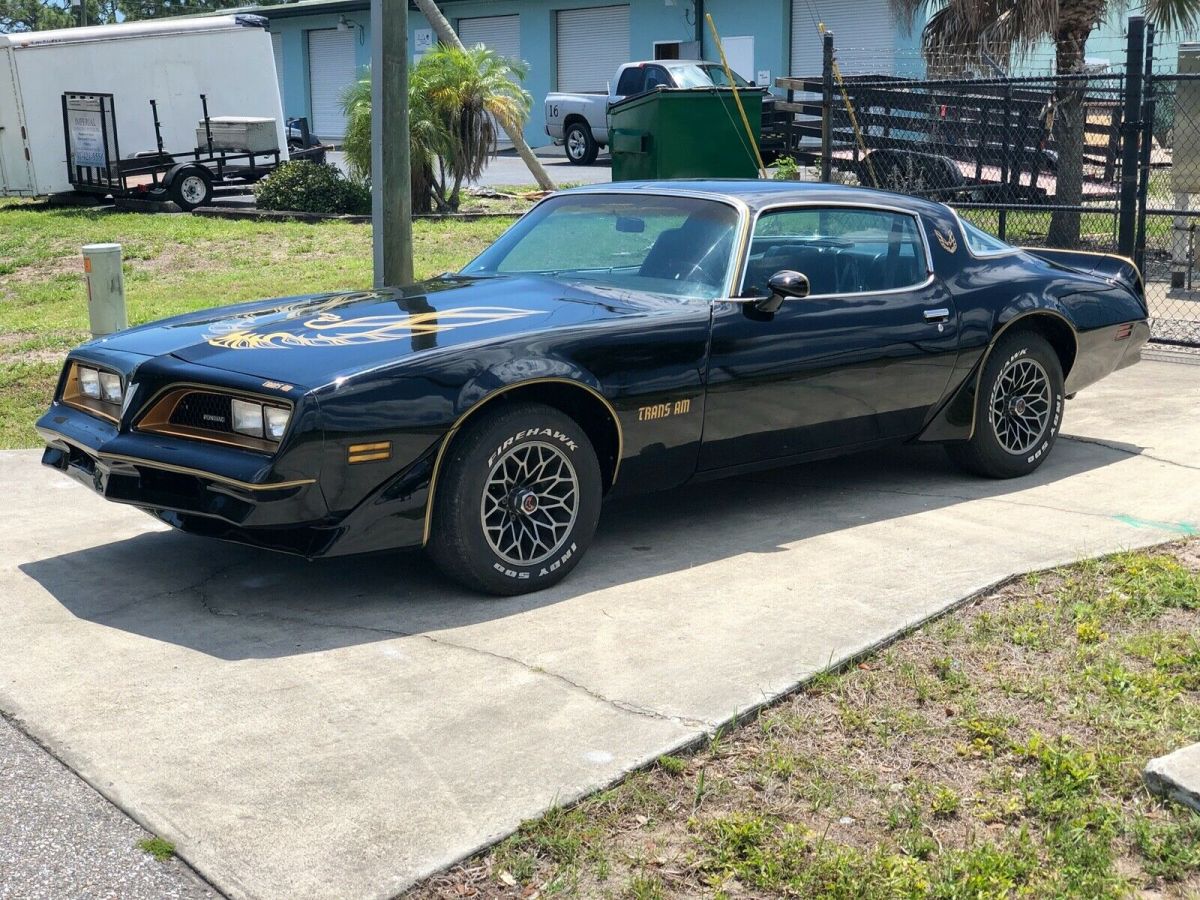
{"x": 841, "y": 250}
{"x": 981, "y": 243}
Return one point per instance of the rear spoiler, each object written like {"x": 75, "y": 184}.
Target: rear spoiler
{"x": 1108, "y": 266}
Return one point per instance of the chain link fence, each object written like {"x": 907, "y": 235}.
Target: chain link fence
{"x": 1106, "y": 160}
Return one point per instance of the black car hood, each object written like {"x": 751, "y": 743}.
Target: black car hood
{"x": 314, "y": 340}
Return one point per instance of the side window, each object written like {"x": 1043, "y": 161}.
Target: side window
{"x": 656, "y": 75}
{"x": 631, "y": 81}
{"x": 841, "y": 250}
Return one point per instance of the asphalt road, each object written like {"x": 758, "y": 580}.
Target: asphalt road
{"x": 508, "y": 169}
{"x": 346, "y": 727}
{"x": 59, "y": 838}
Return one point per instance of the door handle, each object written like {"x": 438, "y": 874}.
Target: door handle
{"x": 937, "y": 315}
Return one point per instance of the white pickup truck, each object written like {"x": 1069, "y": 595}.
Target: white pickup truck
{"x": 580, "y": 121}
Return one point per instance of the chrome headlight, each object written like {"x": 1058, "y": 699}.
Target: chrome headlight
{"x": 89, "y": 382}
{"x": 259, "y": 420}
{"x": 110, "y": 388}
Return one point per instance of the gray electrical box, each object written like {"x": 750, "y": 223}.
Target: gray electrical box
{"x": 244, "y": 133}
{"x": 1185, "y": 162}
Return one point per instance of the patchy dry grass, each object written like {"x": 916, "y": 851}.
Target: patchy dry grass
{"x": 173, "y": 264}
{"x": 995, "y": 753}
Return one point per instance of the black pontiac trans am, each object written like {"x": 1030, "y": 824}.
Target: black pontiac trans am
{"x": 617, "y": 339}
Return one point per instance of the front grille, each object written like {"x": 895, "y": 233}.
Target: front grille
{"x": 209, "y": 412}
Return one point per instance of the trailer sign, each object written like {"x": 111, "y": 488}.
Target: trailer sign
{"x": 85, "y": 123}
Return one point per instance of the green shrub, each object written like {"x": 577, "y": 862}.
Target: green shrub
{"x": 305, "y": 186}
{"x": 787, "y": 169}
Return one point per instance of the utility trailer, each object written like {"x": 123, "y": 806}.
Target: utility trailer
{"x": 233, "y": 149}
{"x": 983, "y": 140}
{"x": 171, "y": 61}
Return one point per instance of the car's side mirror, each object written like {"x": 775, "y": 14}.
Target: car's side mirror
{"x": 784, "y": 284}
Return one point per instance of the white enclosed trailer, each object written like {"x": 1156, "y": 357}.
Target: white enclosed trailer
{"x": 173, "y": 61}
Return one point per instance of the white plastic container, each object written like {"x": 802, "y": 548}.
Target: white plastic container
{"x": 248, "y": 133}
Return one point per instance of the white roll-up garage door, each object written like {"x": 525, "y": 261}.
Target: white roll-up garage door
{"x": 500, "y": 34}
{"x": 591, "y": 43}
{"x": 864, "y": 36}
{"x": 331, "y": 70}
{"x": 277, "y": 52}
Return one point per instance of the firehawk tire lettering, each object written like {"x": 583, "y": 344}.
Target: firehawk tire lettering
{"x": 501, "y": 468}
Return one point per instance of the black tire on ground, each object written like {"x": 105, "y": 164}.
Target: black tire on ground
{"x": 517, "y": 500}
{"x": 582, "y": 148}
{"x": 192, "y": 187}
{"x": 1019, "y": 409}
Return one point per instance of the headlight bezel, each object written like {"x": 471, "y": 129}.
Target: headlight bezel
{"x": 83, "y": 389}
{"x": 246, "y": 425}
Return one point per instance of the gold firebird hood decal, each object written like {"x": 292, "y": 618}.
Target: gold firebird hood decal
{"x": 328, "y": 329}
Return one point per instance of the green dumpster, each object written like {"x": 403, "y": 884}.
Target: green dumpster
{"x": 683, "y": 133}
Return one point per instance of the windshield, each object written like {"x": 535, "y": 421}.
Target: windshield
{"x": 705, "y": 75}
{"x": 679, "y": 246}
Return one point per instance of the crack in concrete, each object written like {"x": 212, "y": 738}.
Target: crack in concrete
{"x": 622, "y": 705}
{"x": 1099, "y": 443}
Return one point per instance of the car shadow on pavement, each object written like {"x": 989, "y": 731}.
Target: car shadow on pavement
{"x": 233, "y": 602}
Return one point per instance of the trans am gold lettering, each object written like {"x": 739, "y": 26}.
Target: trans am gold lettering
{"x": 664, "y": 410}
{"x": 328, "y": 329}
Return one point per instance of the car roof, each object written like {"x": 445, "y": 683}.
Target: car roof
{"x": 757, "y": 193}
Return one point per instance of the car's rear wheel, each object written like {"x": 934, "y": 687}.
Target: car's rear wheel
{"x": 518, "y": 500}
{"x": 581, "y": 146}
{"x": 1018, "y": 411}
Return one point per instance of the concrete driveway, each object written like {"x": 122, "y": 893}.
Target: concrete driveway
{"x": 344, "y": 728}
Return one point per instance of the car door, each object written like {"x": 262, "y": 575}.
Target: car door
{"x": 861, "y": 359}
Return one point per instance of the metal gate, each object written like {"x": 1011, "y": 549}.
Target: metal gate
{"x": 1121, "y": 176}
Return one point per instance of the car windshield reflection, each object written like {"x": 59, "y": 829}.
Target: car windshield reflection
{"x": 677, "y": 246}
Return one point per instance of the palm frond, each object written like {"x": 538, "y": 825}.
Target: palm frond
{"x": 1174, "y": 16}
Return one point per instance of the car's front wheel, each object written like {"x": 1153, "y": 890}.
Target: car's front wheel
{"x": 1018, "y": 411}
{"x": 517, "y": 501}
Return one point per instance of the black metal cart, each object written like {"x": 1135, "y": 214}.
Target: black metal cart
{"x": 95, "y": 165}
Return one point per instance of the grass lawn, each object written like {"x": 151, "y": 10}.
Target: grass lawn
{"x": 994, "y": 753}
{"x": 173, "y": 263}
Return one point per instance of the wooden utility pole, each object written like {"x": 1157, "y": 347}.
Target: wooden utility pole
{"x": 391, "y": 187}
{"x": 447, "y": 36}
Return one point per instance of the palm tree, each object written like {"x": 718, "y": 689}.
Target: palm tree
{"x": 448, "y": 36}
{"x": 458, "y": 100}
{"x": 958, "y": 33}
{"x": 356, "y": 103}
{"x": 471, "y": 94}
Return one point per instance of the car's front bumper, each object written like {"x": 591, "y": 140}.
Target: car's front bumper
{"x": 213, "y": 490}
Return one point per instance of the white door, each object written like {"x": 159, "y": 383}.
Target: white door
{"x": 739, "y": 53}
{"x": 277, "y": 52}
{"x": 501, "y": 35}
{"x": 15, "y": 177}
{"x": 590, "y": 44}
{"x": 331, "y": 70}
{"x": 864, "y": 36}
